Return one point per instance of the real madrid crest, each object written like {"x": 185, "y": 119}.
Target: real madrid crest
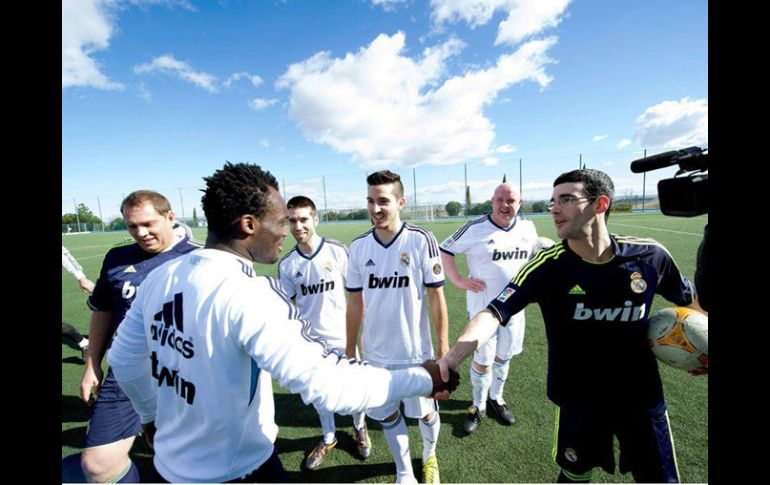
{"x": 436, "y": 268}
{"x": 328, "y": 266}
{"x": 570, "y": 455}
{"x": 638, "y": 285}
{"x": 405, "y": 259}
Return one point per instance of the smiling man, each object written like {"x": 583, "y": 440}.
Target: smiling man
{"x": 595, "y": 290}
{"x": 496, "y": 247}
{"x": 114, "y": 424}
{"x": 313, "y": 274}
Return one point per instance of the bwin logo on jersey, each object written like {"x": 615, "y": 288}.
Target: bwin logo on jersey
{"x": 184, "y": 388}
{"x": 505, "y": 255}
{"x": 627, "y": 313}
{"x": 170, "y": 321}
{"x": 319, "y": 288}
{"x": 395, "y": 281}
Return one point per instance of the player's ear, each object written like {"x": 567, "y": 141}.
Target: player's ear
{"x": 249, "y": 224}
{"x": 170, "y": 217}
{"x": 602, "y": 204}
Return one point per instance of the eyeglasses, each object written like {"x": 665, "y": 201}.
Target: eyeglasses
{"x": 565, "y": 200}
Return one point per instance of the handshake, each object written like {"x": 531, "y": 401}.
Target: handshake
{"x": 444, "y": 382}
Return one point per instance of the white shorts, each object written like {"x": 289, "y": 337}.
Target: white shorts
{"x": 414, "y": 407}
{"x": 507, "y": 342}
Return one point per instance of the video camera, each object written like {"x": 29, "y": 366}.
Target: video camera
{"x": 685, "y": 195}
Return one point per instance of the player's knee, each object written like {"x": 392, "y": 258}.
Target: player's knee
{"x": 481, "y": 369}
{"x": 391, "y": 418}
{"x": 100, "y": 466}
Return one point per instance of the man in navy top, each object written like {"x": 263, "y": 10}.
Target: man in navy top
{"x": 595, "y": 290}
{"x": 114, "y": 423}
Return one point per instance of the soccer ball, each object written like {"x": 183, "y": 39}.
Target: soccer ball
{"x": 679, "y": 337}
{"x": 543, "y": 243}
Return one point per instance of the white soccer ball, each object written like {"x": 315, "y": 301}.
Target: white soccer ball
{"x": 679, "y": 337}
{"x": 543, "y": 243}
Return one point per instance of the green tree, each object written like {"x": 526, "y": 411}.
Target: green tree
{"x": 359, "y": 214}
{"x": 453, "y": 208}
{"x": 503, "y": 178}
{"x": 83, "y": 213}
{"x": 195, "y": 218}
{"x": 540, "y": 206}
{"x": 117, "y": 224}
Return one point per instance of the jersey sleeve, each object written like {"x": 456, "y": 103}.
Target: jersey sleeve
{"x": 128, "y": 357}
{"x": 100, "y": 300}
{"x": 432, "y": 269}
{"x": 353, "y": 281}
{"x": 672, "y": 284}
{"x": 70, "y": 264}
{"x": 459, "y": 242}
{"x": 285, "y": 278}
{"x": 517, "y": 294}
{"x": 278, "y": 340}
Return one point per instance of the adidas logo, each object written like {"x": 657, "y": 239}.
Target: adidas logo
{"x": 130, "y": 269}
{"x": 577, "y": 290}
{"x": 369, "y": 263}
{"x": 491, "y": 241}
{"x": 298, "y": 275}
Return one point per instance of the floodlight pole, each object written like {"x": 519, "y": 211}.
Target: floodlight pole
{"x": 414, "y": 182}
{"x": 181, "y": 201}
{"x": 77, "y": 216}
{"x": 99, "y": 203}
{"x": 326, "y": 209}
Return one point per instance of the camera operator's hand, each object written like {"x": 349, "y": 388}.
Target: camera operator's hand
{"x": 441, "y": 389}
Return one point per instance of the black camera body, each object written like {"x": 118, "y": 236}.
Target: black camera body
{"x": 687, "y": 193}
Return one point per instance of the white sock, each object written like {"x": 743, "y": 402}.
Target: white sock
{"x": 480, "y": 384}
{"x": 359, "y": 420}
{"x": 327, "y": 425}
{"x": 429, "y": 431}
{"x": 83, "y": 343}
{"x": 397, "y": 439}
{"x": 500, "y": 374}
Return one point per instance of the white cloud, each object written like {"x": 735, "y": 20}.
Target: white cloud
{"x": 674, "y": 124}
{"x": 525, "y": 18}
{"x": 387, "y": 5}
{"x": 169, "y": 65}
{"x": 385, "y": 108}
{"x": 506, "y": 149}
{"x": 623, "y": 143}
{"x": 599, "y": 137}
{"x": 258, "y": 104}
{"x": 87, "y": 26}
{"x": 144, "y": 93}
{"x": 490, "y": 161}
{"x": 254, "y": 79}
{"x": 264, "y": 142}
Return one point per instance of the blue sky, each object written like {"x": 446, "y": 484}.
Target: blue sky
{"x": 158, "y": 94}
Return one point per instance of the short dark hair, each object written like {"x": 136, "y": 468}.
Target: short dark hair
{"x": 139, "y": 197}
{"x": 387, "y": 177}
{"x": 231, "y": 192}
{"x": 595, "y": 183}
{"x": 299, "y": 201}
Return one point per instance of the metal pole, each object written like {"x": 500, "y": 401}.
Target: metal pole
{"x": 580, "y": 163}
{"x": 414, "y": 182}
{"x": 99, "y": 203}
{"x": 77, "y": 216}
{"x": 284, "y": 188}
{"x": 326, "y": 209}
{"x": 466, "y": 190}
{"x": 182, "y": 201}
{"x": 644, "y": 182}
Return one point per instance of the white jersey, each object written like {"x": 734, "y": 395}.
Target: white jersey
{"x": 70, "y": 264}
{"x": 494, "y": 255}
{"x": 196, "y": 352}
{"x": 393, "y": 277}
{"x": 317, "y": 284}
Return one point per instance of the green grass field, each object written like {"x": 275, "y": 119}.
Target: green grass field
{"x": 497, "y": 454}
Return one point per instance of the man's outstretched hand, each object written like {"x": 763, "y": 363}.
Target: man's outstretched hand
{"x": 441, "y": 388}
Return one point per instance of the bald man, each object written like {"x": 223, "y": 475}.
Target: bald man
{"x": 496, "y": 246}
